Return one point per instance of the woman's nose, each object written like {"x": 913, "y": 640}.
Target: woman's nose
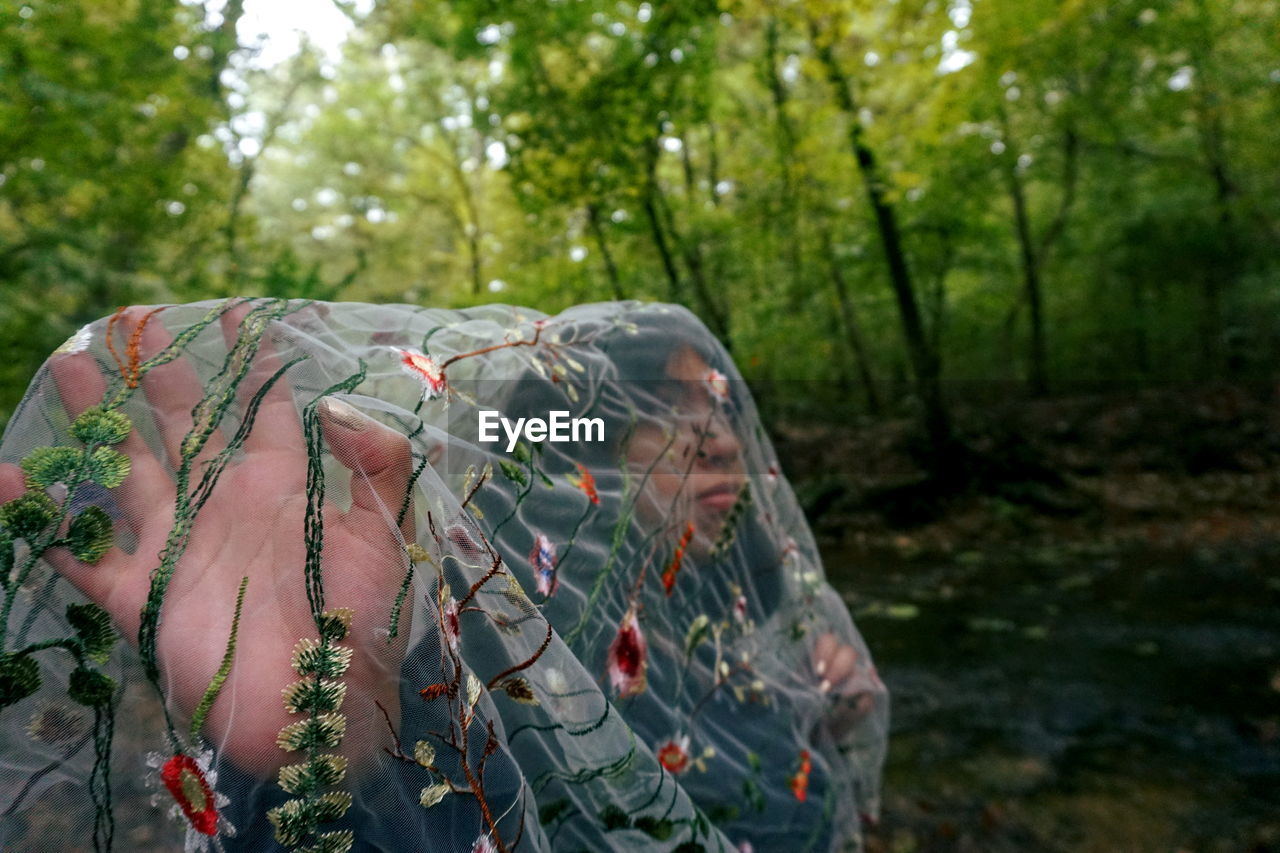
{"x": 720, "y": 445}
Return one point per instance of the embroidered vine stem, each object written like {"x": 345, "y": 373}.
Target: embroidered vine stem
{"x": 206, "y": 415}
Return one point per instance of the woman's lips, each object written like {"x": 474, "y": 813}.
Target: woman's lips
{"x": 720, "y": 497}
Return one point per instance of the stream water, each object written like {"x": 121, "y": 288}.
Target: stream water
{"x": 1077, "y": 699}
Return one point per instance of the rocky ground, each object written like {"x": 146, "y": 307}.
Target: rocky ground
{"x": 1083, "y": 648}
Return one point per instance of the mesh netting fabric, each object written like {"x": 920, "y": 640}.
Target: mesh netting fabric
{"x": 297, "y": 575}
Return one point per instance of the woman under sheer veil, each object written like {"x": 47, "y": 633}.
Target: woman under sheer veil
{"x": 307, "y": 576}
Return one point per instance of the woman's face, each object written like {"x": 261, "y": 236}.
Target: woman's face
{"x": 690, "y": 453}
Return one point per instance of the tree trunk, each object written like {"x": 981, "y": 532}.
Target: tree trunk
{"x": 852, "y": 328}
{"x": 1037, "y": 380}
{"x": 593, "y": 220}
{"x": 924, "y": 362}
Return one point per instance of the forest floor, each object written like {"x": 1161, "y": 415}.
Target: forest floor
{"x": 1084, "y": 658}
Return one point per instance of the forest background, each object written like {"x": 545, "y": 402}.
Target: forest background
{"x": 1037, "y": 237}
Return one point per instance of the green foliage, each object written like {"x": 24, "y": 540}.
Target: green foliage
{"x": 106, "y": 164}
{"x": 1098, "y": 177}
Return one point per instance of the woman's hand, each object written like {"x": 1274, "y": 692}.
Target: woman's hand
{"x": 836, "y": 665}
{"x": 252, "y": 525}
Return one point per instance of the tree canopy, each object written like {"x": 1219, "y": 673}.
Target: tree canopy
{"x": 869, "y": 202}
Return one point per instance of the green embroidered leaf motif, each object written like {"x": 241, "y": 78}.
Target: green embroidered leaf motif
{"x": 614, "y": 818}
{"x": 108, "y": 467}
{"x": 99, "y": 426}
{"x": 720, "y": 813}
{"x": 293, "y": 821}
{"x": 89, "y": 536}
{"x": 521, "y": 452}
{"x": 313, "y": 658}
{"x": 93, "y": 629}
{"x": 19, "y": 678}
{"x": 6, "y": 554}
{"x": 335, "y": 623}
{"x": 29, "y": 515}
{"x": 433, "y": 794}
{"x": 224, "y": 669}
{"x": 90, "y": 687}
{"x": 518, "y": 689}
{"x": 338, "y": 841}
{"x": 754, "y": 796}
{"x": 325, "y": 730}
{"x": 424, "y": 753}
{"x": 313, "y": 696}
{"x": 48, "y": 465}
{"x": 514, "y": 472}
{"x": 310, "y": 776}
{"x": 697, "y": 633}
{"x": 552, "y": 810}
{"x": 331, "y": 806}
{"x": 660, "y": 829}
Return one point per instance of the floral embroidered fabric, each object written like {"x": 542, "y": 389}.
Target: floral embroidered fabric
{"x": 305, "y": 576}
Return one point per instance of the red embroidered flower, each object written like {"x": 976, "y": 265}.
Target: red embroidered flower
{"x": 800, "y": 781}
{"x": 740, "y": 609}
{"x": 186, "y": 782}
{"x": 425, "y": 369}
{"x": 673, "y": 568}
{"x": 628, "y": 657}
{"x": 543, "y": 560}
{"x": 674, "y": 755}
{"x": 585, "y": 481}
{"x": 483, "y": 844}
{"x": 192, "y": 784}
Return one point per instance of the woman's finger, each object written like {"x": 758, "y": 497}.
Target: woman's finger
{"x": 80, "y": 385}
{"x": 97, "y": 580}
{"x": 172, "y": 389}
{"x": 840, "y": 667}
{"x": 379, "y": 459}
{"x": 276, "y": 424}
{"x": 822, "y": 652}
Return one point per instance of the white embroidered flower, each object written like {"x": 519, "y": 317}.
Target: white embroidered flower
{"x": 79, "y": 342}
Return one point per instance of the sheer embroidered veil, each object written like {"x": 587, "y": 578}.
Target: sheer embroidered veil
{"x": 308, "y": 576}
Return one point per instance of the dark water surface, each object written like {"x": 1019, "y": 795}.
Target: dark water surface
{"x": 1085, "y": 698}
